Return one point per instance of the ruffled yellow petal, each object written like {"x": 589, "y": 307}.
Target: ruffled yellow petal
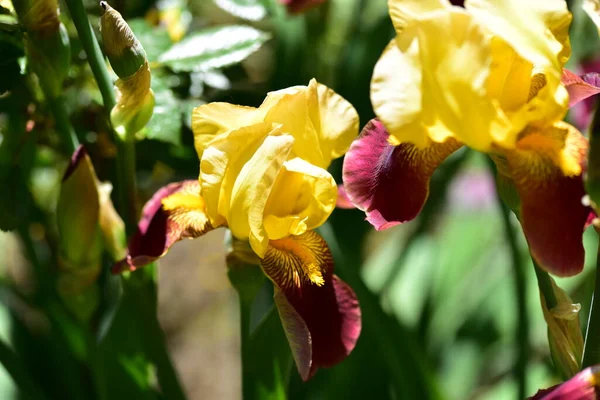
{"x": 221, "y": 163}
{"x": 510, "y": 76}
{"x": 396, "y": 94}
{"x": 302, "y": 198}
{"x": 212, "y": 119}
{"x": 455, "y": 100}
{"x": 542, "y": 153}
{"x": 292, "y": 111}
{"x": 252, "y": 188}
{"x": 536, "y": 29}
{"x": 405, "y": 12}
{"x": 337, "y": 121}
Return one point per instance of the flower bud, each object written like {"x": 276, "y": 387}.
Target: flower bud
{"x": 135, "y": 99}
{"x": 47, "y": 43}
{"x": 124, "y": 51}
{"x": 564, "y": 332}
{"x": 87, "y": 222}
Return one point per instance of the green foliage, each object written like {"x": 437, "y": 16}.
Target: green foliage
{"x": 213, "y": 48}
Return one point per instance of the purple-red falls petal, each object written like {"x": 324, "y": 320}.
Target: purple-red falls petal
{"x": 546, "y": 169}
{"x": 580, "y": 87}
{"x": 319, "y": 312}
{"x": 175, "y": 212}
{"x": 582, "y": 386}
{"x": 390, "y": 183}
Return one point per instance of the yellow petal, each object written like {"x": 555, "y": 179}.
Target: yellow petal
{"x": 212, "y": 119}
{"x": 252, "y": 188}
{"x": 455, "y": 99}
{"x": 221, "y": 163}
{"x": 292, "y": 111}
{"x": 559, "y": 148}
{"x": 536, "y": 29}
{"x": 404, "y": 13}
{"x": 298, "y": 260}
{"x": 396, "y": 94}
{"x": 338, "y": 121}
{"x": 510, "y": 76}
{"x": 302, "y": 198}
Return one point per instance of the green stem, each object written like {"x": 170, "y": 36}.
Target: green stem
{"x": 63, "y": 124}
{"x": 127, "y": 184}
{"x": 522, "y": 332}
{"x": 93, "y": 52}
{"x": 143, "y": 290}
{"x": 591, "y": 349}
{"x": 139, "y": 290}
{"x": 245, "y": 308}
{"x": 545, "y": 285}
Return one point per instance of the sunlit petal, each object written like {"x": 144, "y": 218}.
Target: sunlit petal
{"x": 175, "y": 212}
{"x": 390, "y": 183}
{"x": 319, "y": 312}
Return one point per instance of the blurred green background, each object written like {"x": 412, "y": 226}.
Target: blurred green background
{"x": 437, "y": 294}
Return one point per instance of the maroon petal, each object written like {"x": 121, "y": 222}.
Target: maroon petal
{"x": 552, "y": 214}
{"x": 321, "y": 317}
{"x": 580, "y": 87}
{"x": 580, "y": 387}
{"x": 163, "y": 225}
{"x": 390, "y": 183}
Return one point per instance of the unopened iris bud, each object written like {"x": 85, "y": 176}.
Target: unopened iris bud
{"x": 87, "y": 223}
{"x": 135, "y": 99}
{"x": 564, "y": 332}
{"x": 47, "y": 43}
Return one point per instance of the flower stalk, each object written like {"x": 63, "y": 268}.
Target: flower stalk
{"x": 140, "y": 287}
{"x": 519, "y": 281}
{"x": 247, "y": 278}
{"x": 591, "y": 349}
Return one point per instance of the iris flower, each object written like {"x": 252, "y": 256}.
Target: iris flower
{"x": 583, "y": 386}
{"x": 486, "y": 76}
{"x": 263, "y": 175}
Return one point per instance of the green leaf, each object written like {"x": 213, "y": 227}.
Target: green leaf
{"x": 214, "y": 48}
{"x": 269, "y": 359}
{"x": 250, "y": 10}
{"x": 165, "y": 124}
{"x": 11, "y": 48}
{"x": 16, "y": 200}
{"x": 155, "y": 40}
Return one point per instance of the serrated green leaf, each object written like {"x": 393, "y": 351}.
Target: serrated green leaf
{"x": 155, "y": 40}
{"x": 214, "y": 48}
{"x": 165, "y": 124}
{"x": 250, "y": 10}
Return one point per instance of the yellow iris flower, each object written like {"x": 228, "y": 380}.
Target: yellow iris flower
{"x": 263, "y": 174}
{"x": 487, "y": 76}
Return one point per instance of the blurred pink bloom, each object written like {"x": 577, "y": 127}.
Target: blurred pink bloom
{"x": 473, "y": 190}
{"x": 298, "y": 6}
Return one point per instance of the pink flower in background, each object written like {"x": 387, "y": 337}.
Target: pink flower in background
{"x": 298, "y": 6}
{"x": 473, "y": 190}
{"x": 582, "y": 112}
